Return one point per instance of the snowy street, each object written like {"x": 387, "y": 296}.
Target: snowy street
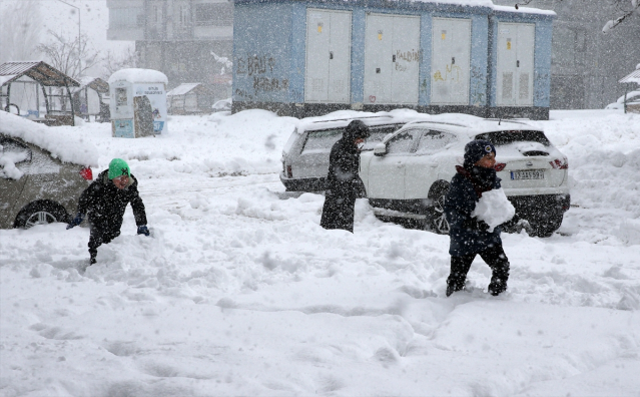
{"x": 239, "y": 291}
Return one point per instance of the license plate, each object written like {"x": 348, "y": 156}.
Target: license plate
{"x": 521, "y": 175}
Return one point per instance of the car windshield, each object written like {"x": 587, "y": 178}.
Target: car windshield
{"x": 500, "y": 138}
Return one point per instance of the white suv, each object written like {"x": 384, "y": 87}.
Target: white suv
{"x": 407, "y": 175}
{"x": 305, "y": 157}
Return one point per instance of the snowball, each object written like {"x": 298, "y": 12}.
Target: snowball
{"x": 494, "y": 208}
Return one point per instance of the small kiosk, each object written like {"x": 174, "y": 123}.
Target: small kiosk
{"x": 138, "y": 102}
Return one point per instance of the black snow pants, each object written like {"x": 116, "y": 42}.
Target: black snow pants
{"x": 99, "y": 236}
{"x": 497, "y": 260}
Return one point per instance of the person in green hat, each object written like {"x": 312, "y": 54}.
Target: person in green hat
{"x": 105, "y": 201}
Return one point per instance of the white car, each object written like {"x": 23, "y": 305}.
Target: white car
{"x": 633, "y": 98}
{"x": 407, "y": 175}
{"x": 223, "y": 105}
{"x": 305, "y": 157}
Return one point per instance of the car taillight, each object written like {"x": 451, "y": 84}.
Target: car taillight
{"x": 289, "y": 172}
{"x": 86, "y": 173}
{"x": 560, "y": 164}
{"x": 499, "y": 166}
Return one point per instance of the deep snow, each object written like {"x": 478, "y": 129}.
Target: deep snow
{"x": 240, "y": 292}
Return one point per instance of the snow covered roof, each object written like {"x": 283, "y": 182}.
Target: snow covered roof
{"x": 135, "y": 75}
{"x": 95, "y": 83}
{"x": 182, "y": 89}
{"x": 39, "y": 71}
{"x": 633, "y": 77}
{"x": 487, "y": 4}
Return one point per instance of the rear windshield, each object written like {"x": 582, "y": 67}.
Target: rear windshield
{"x": 499, "y": 138}
{"x": 323, "y": 140}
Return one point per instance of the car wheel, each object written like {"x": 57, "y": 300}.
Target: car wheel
{"x": 435, "y": 217}
{"x": 40, "y": 213}
{"x": 547, "y": 226}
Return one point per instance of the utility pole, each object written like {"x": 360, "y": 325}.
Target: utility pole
{"x": 77, "y": 8}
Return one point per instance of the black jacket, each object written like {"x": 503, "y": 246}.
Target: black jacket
{"x": 343, "y": 185}
{"x": 467, "y": 237}
{"x": 105, "y": 203}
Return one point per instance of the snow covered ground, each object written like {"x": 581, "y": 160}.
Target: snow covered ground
{"x": 240, "y": 292}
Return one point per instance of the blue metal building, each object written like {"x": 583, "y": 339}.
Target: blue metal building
{"x": 305, "y": 58}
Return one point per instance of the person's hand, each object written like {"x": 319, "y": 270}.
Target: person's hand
{"x": 524, "y": 224}
{"x": 483, "y": 226}
{"x": 476, "y": 224}
{"x": 143, "y": 230}
{"x": 75, "y": 221}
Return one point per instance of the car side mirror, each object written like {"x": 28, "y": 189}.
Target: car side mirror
{"x": 380, "y": 149}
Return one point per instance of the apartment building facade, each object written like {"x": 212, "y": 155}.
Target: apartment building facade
{"x": 190, "y": 41}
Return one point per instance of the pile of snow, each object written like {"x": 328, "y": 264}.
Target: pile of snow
{"x": 241, "y": 292}
{"x": 494, "y": 208}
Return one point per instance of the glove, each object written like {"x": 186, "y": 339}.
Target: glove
{"x": 524, "y": 224}
{"x": 76, "y": 221}
{"x": 143, "y": 230}
{"x": 475, "y": 224}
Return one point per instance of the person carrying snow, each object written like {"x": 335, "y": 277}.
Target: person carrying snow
{"x": 105, "y": 200}
{"x": 343, "y": 183}
{"x": 470, "y": 235}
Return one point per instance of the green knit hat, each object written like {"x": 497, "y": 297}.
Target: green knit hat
{"x": 118, "y": 167}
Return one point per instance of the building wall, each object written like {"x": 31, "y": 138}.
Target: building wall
{"x": 269, "y": 63}
{"x": 178, "y": 38}
{"x": 586, "y": 64}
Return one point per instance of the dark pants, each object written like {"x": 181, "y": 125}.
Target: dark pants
{"x": 338, "y": 211}
{"x": 97, "y": 237}
{"x": 497, "y": 260}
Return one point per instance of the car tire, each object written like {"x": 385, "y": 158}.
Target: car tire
{"x": 547, "y": 226}
{"x": 40, "y": 212}
{"x": 435, "y": 219}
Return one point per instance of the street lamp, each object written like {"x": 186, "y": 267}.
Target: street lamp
{"x": 77, "y": 8}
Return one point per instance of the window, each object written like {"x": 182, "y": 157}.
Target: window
{"x": 403, "y": 142}
{"x": 185, "y": 18}
{"x": 219, "y": 14}
{"x": 12, "y": 153}
{"x": 121, "y": 96}
{"x": 126, "y": 17}
{"x": 433, "y": 141}
{"x": 506, "y": 137}
{"x": 321, "y": 141}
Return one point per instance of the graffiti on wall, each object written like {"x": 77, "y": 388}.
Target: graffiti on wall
{"x": 451, "y": 73}
{"x": 406, "y": 56}
{"x": 478, "y": 94}
{"x": 258, "y": 68}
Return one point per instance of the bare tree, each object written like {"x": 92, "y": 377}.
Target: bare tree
{"x": 626, "y": 7}
{"x": 113, "y": 62}
{"x": 20, "y": 30}
{"x": 72, "y": 57}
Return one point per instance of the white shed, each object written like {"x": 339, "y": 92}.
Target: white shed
{"x": 138, "y": 102}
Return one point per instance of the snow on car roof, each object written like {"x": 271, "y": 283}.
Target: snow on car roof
{"x": 63, "y": 143}
{"x": 341, "y": 118}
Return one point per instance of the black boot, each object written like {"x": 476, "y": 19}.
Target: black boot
{"x": 497, "y": 286}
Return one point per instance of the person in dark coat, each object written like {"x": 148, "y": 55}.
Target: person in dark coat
{"x": 343, "y": 183}
{"x": 469, "y": 235}
{"x": 105, "y": 201}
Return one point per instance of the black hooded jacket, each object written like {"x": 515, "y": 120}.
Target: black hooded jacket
{"x": 343, "y": 182}
{"x": 105, "y": 203}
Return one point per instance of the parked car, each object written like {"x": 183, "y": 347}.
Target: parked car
{"x": 633, "y": 98}
{"x": 305, "y": 158}
{"x": 407, "y": 175}
{"x": 223, "y": 105}
{"x": 35, "y": 187}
